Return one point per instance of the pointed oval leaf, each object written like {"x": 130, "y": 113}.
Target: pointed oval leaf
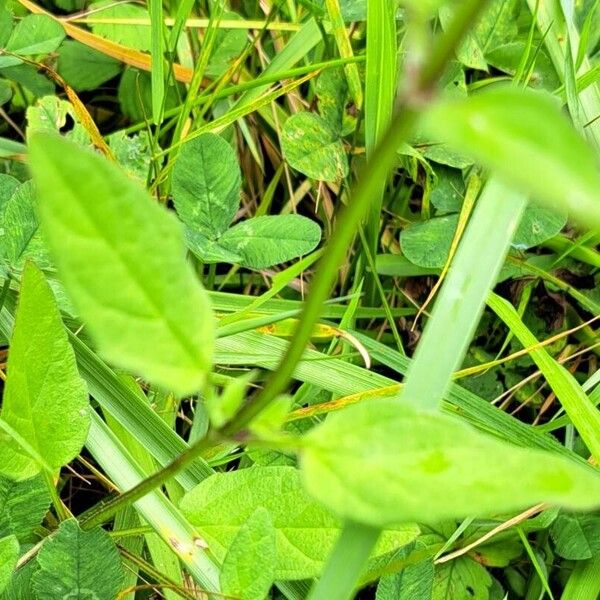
{"x": 312, "y": 147}
{"x": 523, "y": 136}
{"x": 206, "y": 184}
{"x": 304, "y": 530}
{"x": 78, "y": 564}
{"x": 36, "y": 34}
{"x": 122, "y": 259}
{"x": 262, "y": 242}
{"x": 383, "y": 462}
{"x": 45, "y": 400}
{"x": 576, "y": 537}
{"x": 248, "y": 570}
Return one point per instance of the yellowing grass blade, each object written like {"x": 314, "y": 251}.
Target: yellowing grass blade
{"x": 133, "y": 58}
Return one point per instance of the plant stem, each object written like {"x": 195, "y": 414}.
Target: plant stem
{"x": 106, "y": 510}
{"x": 416, "y": 94}
{"x": 345, "y": 564}
{"x": 383, "y": 159}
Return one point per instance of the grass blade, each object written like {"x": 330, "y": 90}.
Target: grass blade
{"x": 158, "y": 63}
{"x": 166, "y": 520}
{"x": 342, "y": 39}
{"x": 380, "y": 92}
{"x": 581, "y": 411}
{"x": 462, "y": 298}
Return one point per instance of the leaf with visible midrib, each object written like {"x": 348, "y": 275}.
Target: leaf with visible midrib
{"x": 312, "y": 147}
{"x": 304, "y": 530}
{"x": 45, "y": 400}
{"x": 206, "y": 184}
{"x": 122, "y": 259}
{"x": 78, "y": 564}
{"x": 249, "y": 567}
{"x": 35, "y": 34}
{"x": 366, "y": 462}
{"x": 262, "y": 242}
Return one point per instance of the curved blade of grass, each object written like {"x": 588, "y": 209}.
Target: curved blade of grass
{"x": 583, "y": 414}
{"x": 131, "y": 57}
{"x": 301, "y": 43}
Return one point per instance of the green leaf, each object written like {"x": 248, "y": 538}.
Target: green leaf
{"x": 497, "y": 25}
{"x": 537, "y": 225}
{"x": 28, "y": 77}
{"x": 206, "y": 184}
{"x": 461, "y": 578}
{"x": 248, "y": 570}
{"x": 305, "y": 531}
{"x": 84, "y": 68}
{"x": 207, "y": 250}
{"x": 270, "y": 240}
{"x": 121, "y": 258}
{"x": 412, "y": 582}
{"x": 45, "y": 400}
{"x": 78, "y": 564}
{"x": 9, "y": 554}
{"x": 51, "y": 114}
{"x": 6, "y": 91}
{"x": 508, "y": 57}
{"x": 523, "y": 136}
{"x": 228, "y": 45}
{"x": 576, "y": 537}
{"x": 469, "y": 53}
{"x": 312, "y": 147}
{"x": 448, "y": 191}
{"x": 221, "y": 407}
{"x": 19, "y": 228}
{"x": 135, "y": 94}
{"x": 332, "y": 91}
{"x": 34, "y": 34}
{"x": 133, "y": 152}
{"x": 132, "y": 36}
{"x": 6, "y": 24}
{"x": 366, "y": 462}
{"x": 8, "y": 185}
{"x": 23, "y": 505}
{"x": 427, "y": 244}
{"x": 19, "y": 587}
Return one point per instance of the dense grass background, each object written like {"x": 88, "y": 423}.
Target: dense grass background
{"x": 409, "y": 190}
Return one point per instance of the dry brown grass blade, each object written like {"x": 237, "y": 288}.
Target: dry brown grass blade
{"x": 126, "y": 55}
{"x": 530, "y": 512}
{"x": 81, "y": 112}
